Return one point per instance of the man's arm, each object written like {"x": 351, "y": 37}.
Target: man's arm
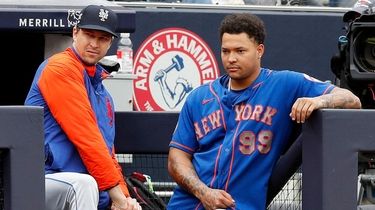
{"x": 182, "y": 171}
{"x": 339, "y": 98}
{"x": 122, "y": 183}
{"x": 120, "y": 202}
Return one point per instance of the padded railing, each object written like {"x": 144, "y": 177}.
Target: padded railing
{"x": 22, "y": 157}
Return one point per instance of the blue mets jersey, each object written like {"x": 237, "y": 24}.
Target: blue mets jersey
{"x": 235, "y": 137}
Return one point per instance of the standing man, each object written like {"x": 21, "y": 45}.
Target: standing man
{"x": 80, "y": 165}
{"x": 231, "y": 131}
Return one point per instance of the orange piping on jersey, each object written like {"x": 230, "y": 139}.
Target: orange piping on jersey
{"x": 216, "y": 164}
{"x": 181, "y": 145}
{"x": 231, "y": 161}
{"x": 221, "y": 108}
{"x": 328, "y": 89}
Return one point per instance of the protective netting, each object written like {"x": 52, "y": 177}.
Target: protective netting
{"x": 290, "y": 197}
{"x": 155, "y": 166}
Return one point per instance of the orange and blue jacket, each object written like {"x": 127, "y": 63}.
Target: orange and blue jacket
{"x": 78, "y": 119}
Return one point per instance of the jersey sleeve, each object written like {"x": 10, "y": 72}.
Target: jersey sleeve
{"x": 122, "y": 183}
{"x": 309, "y": 86}
{"x": 184, "y": 137}
{"x": 62, "y": 86}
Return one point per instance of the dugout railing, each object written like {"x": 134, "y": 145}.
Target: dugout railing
{"x": 21, "y": 158}
{"x": 331, "y": 143}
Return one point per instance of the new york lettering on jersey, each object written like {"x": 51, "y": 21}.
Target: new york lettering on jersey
{"x": 245, "y": 112}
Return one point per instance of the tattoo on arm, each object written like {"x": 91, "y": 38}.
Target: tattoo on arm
{"x": 187, "y": 178}
{"x": 340, "y": 99}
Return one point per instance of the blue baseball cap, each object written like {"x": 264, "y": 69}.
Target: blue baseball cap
{"x": 98, "y": 18}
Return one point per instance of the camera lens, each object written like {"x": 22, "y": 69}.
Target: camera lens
{"x": 364, "y": 51}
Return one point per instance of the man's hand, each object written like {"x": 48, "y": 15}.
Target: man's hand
{"x": 120, "y": 202}
{"x": 217, "y": 199}
{"x": 303, "y": 107}
{"x": 130, "y": 204}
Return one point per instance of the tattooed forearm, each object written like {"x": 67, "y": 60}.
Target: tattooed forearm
{"x": 191, "y": 182}
{"x": 340, "y": 98}
{"x": 186, "y": 177}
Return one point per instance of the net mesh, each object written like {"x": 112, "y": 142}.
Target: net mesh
{"x": 290, "y": 197}
{"x": 155, "y": 165}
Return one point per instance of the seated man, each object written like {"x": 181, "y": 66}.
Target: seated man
{"x": 80, "y": 166}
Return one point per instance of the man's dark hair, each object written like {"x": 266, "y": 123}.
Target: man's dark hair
{"x": 238, "y": 23}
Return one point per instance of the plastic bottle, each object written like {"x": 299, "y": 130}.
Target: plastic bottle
{"x": 125, "y": 53}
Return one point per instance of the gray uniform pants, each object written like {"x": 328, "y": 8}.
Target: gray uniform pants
{"x": 71, "y": 191}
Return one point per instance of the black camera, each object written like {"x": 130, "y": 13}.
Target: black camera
{"x": 354, "y": 66}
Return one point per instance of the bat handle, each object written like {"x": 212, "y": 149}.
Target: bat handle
{"x": 157, "y": 77}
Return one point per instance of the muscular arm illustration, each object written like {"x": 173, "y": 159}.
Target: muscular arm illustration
{"x": 165, "y": 89}
{"x": 173, "y": 98}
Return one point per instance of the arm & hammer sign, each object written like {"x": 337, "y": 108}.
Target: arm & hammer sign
{"x": 169, "y": 64}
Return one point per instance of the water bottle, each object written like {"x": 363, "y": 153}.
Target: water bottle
{"x": 125, "y": 53}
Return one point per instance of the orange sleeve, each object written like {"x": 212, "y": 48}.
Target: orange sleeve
{"x": 122, "y": 183}
{"x": 62, "y": 86}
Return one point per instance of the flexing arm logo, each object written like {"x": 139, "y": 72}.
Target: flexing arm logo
{"x": 173, "y": 97}
{"x": 169, "y": 65}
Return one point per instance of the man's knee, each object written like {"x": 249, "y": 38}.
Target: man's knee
{"x": 86, "y": 181}
{"x": 70, "y": 184}
{"x": 67, "y": 190}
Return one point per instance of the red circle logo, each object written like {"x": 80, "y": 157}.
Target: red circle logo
{"x": 169, "y": 64}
